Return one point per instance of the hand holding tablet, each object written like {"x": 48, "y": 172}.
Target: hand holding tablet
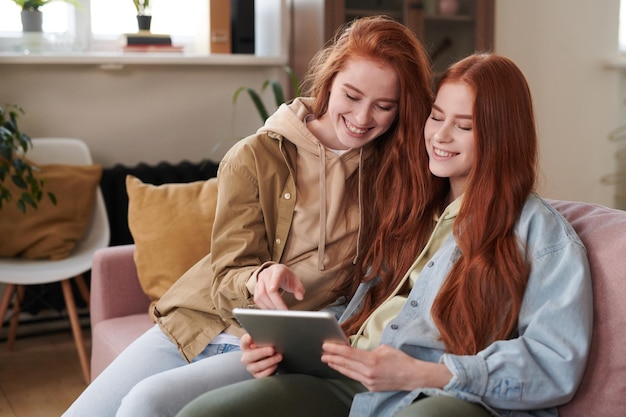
{"x": 298, "y": 335}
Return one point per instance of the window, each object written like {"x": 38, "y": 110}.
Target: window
{"x": 182, "y": 19}
{"x": 98, "y": 24}
{"x": 112, "y": 17}
{"x": 56, "y": 19}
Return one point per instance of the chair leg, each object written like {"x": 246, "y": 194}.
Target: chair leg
{"x": 82, "y": 288}
{"x": 76, "y": 330}
{"x": 15, "y": 319}
{"x": 6, "y": 300}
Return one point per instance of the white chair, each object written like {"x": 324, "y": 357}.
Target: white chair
{"x": 16, "y": 272}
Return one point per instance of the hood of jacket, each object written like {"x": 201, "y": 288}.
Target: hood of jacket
{"x": 289, "y": 121}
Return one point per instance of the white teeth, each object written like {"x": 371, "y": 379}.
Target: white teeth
{"x": 442, "y": 153}
{"x": 355, "y": 129}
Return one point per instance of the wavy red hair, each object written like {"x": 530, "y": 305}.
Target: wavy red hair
{"x": 392, "y": 174}
{"x": 480, "y": 299}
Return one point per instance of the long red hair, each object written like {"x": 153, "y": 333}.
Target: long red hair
{"x": 392, "y": 174}
{"x": 481, "y": 297}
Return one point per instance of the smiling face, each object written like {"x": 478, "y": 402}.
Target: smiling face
{"x": 363, "y": 103}
{"x": 449, "y": 134}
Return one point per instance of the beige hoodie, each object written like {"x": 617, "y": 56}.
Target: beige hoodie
{"x": 327, "y": 216}
{"x": 282, "y": 198}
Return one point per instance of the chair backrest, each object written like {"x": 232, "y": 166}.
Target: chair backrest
{"x": 69, "y": 151}
{"x": 59, "y": 151}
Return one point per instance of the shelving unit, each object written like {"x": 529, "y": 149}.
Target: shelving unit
{"x": 447, "y": 38}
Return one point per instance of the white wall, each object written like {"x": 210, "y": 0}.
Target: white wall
{"x": 563, "y": 47}
{"x": 146, "y": 113}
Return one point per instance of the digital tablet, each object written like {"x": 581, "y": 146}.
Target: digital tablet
{"x": 298, "y": 335}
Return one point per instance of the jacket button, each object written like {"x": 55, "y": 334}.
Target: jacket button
{"x": 413, "y": 303}
{"x": 430, "y": 264}
{"x": 287, "y": 196}
{"x": 394, "y": 327}
{"x": 278, "y": 241}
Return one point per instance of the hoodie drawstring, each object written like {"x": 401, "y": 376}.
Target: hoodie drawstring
{"x": 358, "y": 236}
{"x": 322, "y": 239}
{"x": 322, "y": 242}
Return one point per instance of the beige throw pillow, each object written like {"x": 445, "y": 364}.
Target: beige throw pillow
{"x": 171, "y": 226}
{"x": 51, "y": 231}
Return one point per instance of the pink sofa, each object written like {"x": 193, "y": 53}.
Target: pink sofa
{"x": 119, "y": 308}
{"x": 118, "y": 305}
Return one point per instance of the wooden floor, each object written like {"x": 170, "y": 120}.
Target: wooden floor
{"x": 41, "y": 376}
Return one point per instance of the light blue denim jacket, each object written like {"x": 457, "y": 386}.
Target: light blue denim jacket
{"x": 528, "y": 375}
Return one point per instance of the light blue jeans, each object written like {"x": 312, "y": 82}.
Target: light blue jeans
{"x": 151, "y": 379}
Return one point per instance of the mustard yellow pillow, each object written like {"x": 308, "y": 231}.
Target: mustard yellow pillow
{"x": 51, "y": 231}
{"x": 171, "y": 226}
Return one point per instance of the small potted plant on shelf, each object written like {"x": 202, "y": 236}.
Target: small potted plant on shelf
{"x": 144, "y": 18}
{"x": 31, "y": 15}
{"x": 13, "y": 167}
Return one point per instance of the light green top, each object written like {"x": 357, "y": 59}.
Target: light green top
{"x": 371, "y": 331}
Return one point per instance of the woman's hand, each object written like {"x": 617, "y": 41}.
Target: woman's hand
{"x": 259, "y": 361}
{"x": 385, "y": 368}
{"x": 271, "y": 281}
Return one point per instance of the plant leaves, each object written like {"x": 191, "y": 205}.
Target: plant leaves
{"x": 277, "y": 90}
{"x": 294, "y": 80}
{"x": 28, "y": 199}
{"x": 256, "y": 99}
{"x": 279, "y": 96}
{"x": 13, "y": 145}
{"x": 18, "y": 181}
{"x": 52, "y": 198}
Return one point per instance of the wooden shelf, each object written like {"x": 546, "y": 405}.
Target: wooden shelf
{"x": 112, "y": 59}
{"x": 451, "y": 18}
{"x": 446, "y": 37}
{"x": 371, "y": 12}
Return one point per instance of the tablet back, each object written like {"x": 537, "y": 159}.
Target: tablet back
{"x": 298, "y": 335}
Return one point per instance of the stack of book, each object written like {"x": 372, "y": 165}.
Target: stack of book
{"x": 145, "y": 41}
{"x": 231, "y": 26}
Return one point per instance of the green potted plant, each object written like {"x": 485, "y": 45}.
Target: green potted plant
{"x": 31, "y": 15}
{"x": 142, "y": 6}
{"x": 144, "y": 17}
{"x": 13, "y": 167}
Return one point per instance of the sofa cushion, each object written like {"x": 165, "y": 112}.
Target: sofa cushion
{"x": 603, "y": 232}
{"x": 113, "y": 186}
{"x": 171, "y": 225}
{"x": 52, "y": 230}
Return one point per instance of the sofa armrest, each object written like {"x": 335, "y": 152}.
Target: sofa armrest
{"x": 115, "y": 288}
{"x": 601, "y": 230}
